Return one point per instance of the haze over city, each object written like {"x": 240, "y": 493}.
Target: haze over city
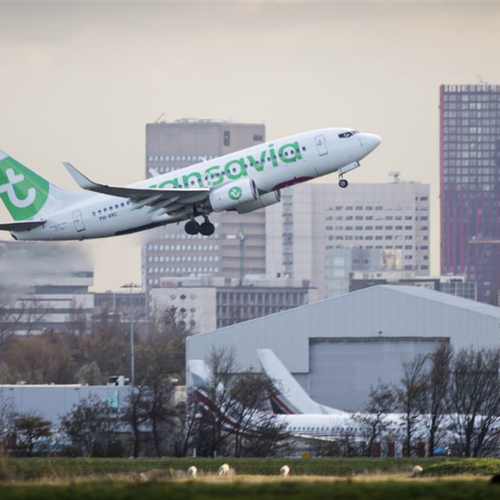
{"x": 81, "y": 85}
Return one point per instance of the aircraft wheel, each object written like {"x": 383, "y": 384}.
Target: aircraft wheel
{"x": 343, "y": 183}
{"x": 207, "y": 228}
{"x": 192, "y": 227}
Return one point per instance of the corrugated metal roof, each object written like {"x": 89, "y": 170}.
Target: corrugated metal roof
{"x": 445, "y": 298}
{"x": 419, "y": 292}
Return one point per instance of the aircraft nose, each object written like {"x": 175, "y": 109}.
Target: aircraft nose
{"x": 371, "y": 141}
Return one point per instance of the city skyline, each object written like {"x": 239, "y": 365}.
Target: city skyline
{"x": 295, "y": 67}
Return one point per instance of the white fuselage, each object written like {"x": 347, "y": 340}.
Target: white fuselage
{"x": 93, "y": 215}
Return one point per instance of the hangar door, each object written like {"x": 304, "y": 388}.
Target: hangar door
{"x": 341, "y": 370}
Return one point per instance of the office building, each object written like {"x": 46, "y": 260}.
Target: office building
{"x": 44, "y": 286}
{"x": 238, "y": 245}
{"x": 205, "y": 303}
{"x": 316, "y": 222}
{"x": 470, "y": 185}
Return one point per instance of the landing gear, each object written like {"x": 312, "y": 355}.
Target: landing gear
{"x": 192, "y": 227}
{"x": 343, "y": 183}
{"x": 207, "y": 228}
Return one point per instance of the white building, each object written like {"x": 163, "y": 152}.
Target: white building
{"x": 205, "y": 303}
{"x": 337, "y": 348}
{"x": 315, "y": 218}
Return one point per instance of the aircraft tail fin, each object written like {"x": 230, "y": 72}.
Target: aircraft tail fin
{"x": 289, "y": 397}
{"x": 198, "y": 373}
{"x": 25, "y": 193}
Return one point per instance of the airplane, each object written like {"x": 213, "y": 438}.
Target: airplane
{"x": 287, "y": 395}
{"x": 328, "y": 426}
{"x": 243, "y": 181}
{"x": 304, "y": 418}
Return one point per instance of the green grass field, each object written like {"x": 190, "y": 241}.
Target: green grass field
{"x": 33, "y": 469}
{"x": 283, "y": 489}
{"x": 22, "y": 469}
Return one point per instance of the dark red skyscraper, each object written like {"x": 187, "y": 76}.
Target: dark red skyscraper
{"x": 470, "y": 185}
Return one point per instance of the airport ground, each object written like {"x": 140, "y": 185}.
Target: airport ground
{"x": 80, "y": 478}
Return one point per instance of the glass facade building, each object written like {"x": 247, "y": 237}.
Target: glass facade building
{"x": 470, "y": 185}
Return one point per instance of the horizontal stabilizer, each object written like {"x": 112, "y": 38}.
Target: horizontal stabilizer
{"x": 150, "y": 196}
{"x": 21, "y": 225}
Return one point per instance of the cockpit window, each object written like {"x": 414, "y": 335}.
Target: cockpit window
{"x": 345, "y": 135}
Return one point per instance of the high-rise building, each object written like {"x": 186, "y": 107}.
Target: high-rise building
{"x": 314, "y": 220}
{"x": 238, "y": 245}
{"x": 470, "y": 185}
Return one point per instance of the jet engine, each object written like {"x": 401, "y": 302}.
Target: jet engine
{"x": 264, "y": 201}
{"x": 232, "y": 195}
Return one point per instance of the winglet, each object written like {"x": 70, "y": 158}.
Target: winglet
{"x": 81, "y": 180}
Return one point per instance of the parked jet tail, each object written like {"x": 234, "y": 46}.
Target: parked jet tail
{"x": 289, "y": 397}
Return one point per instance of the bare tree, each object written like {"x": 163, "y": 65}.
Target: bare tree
{"x": 10, "y": 316}
{"x": 438, "y": 385}
{"x": 213, "y": 428}
{"x": 382, "y": 401}
{"x": 474, "y": 399}
{"x": 32, "y": 313}
{"x": 412, "y": 397}
{"x": 134, "y": 414}
{"x": 232, "y": 415}
{"x": 6, "y": 417}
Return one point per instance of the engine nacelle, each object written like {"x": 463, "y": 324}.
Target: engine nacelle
{"x": 264, "y": 201}
{"x": 232, "y": 195}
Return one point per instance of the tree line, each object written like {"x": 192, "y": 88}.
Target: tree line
{"x": 448, "y": 400}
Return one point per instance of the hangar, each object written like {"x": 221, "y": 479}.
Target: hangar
{"x": 337, "y": 348}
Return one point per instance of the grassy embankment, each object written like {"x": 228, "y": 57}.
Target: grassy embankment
{"x": 283, "y": 489}
{"x": 26, "y": 469}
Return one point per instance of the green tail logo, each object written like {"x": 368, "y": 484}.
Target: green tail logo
{"x": 23, "y": 192}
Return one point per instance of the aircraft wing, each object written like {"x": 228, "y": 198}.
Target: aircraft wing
{"x": 21, "y": 225}
{"x": 154, "y": 197}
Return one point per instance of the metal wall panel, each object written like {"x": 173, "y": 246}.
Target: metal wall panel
{"x": 343, "y": 370}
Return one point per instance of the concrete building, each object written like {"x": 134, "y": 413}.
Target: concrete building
{"x": 314, "y": 219}
{"x": 453, "y": 285}
{"x": 343, "y": 264}
{"x": 44, "y": 285}
{"x": 206, "y": 303}
{"x": 470, "y": 185}
{"x": 121, "y": 304}
{"x": 170, "y": 251}
{"x": 337, "y": 348}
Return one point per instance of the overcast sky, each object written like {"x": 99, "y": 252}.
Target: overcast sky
{"x": 79, "y": 82}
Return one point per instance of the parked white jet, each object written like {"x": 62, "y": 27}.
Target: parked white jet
{"x": 310, "y": 425}
{"x": 243, "y": 181}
